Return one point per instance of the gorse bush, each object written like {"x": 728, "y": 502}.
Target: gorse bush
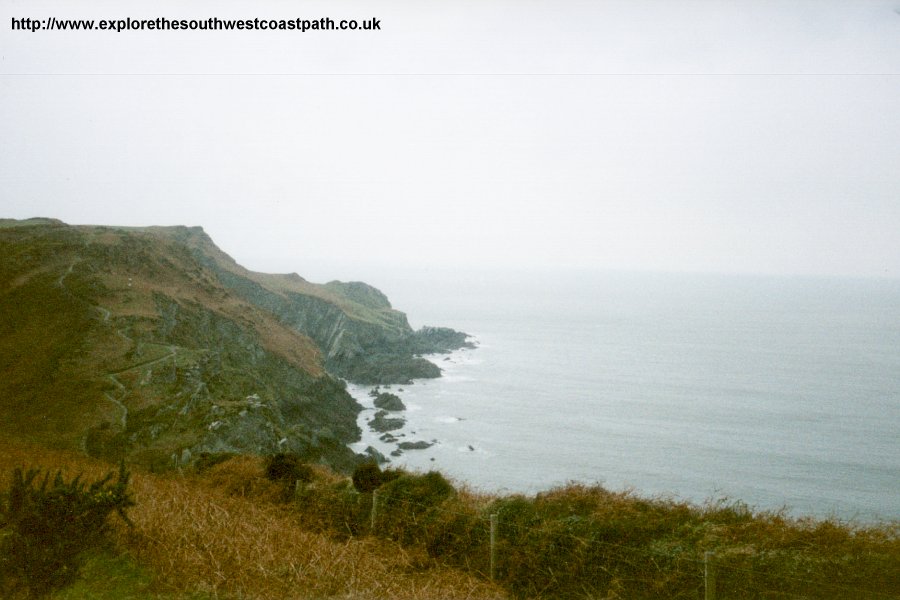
{"x": 288, "y": 468}
{"x": 368, "y": 477}
{"x": 46, "y": 524}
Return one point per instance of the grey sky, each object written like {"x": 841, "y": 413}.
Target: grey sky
{"x": 723, "y": 136}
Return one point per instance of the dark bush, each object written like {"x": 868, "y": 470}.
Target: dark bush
{"x": 418, "y": 491}
{"x": 368, "y": 477}
{"x": 288, "y": 468}
{"x": 45, "y": 528}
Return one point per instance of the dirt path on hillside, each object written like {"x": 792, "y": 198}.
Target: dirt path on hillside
{"x": 121, "y": 389}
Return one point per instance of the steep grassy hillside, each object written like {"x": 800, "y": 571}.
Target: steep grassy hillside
{"x": 152, "y": 342}
{"x": 227, "y": 534}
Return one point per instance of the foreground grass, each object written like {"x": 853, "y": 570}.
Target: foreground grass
{"x": 112, "y": 576}
{"x": 193, "y": 539}
{"x": 230, "y": 532}
{"x": 582, "y": 541}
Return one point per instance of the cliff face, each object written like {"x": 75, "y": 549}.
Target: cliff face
{"x": 361, "y": 337}
{"x": 153, "y": 343}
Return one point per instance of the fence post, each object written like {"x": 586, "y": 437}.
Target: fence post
{"x": 493, "y": 546}
{"x": 374, "y": 510}
{"x": 709, "y": 576}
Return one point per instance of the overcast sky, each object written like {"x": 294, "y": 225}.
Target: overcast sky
{"x": 719, "y": 136}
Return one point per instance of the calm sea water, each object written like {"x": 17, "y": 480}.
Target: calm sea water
{"x": 777, "y": 392}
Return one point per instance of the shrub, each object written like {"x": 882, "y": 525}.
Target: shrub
{"x": 46, "y": 527}
{"x": 368, "y": 477}
{"x": 408, "y": 505}
{"x": 288, "y": 468}
{"x": 334, "y": 507}
{"x": 458, "y": 534}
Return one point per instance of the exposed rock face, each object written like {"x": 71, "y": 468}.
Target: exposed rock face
{"x": 375, "y": 455}
{"x": 153, "y": 343}
{"x": 420, "y": 445}
{"x": 362, "y": 338}
{"x": 389, "y": 401}
{"x": 382, "y": 423}
{"x": 432, "y": 340}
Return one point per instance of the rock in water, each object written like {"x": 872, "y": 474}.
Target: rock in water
{"x": 377, "y": 456}
{"x": 388, "y": 401}
{"x": 420, "y": 445}
{"x": 381, "y": 423}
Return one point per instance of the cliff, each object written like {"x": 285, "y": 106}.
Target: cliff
{"x": 153, "y": 343}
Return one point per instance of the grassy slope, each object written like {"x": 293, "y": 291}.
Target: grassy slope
{"x": 226, "y": 536}
{"x": 229, "y": 533}
{"x": 80, "y": 323}
{"x": 46, "y": 386}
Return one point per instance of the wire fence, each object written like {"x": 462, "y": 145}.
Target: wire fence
{"x": 552, "y": 557}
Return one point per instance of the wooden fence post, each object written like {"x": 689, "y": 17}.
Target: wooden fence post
{"x": 493, "y": 546}
{"x": 374, "y": 510}
{"x": 709, "y": 576}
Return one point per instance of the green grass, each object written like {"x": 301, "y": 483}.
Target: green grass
{"x": 584, "y": 541}
{"x": 107, "y": 576}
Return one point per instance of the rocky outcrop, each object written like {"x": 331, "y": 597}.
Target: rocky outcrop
{"x": 361, "y": 293}
{"x": 382, "y": 423}
{"x": 435, "y": 340}
{"x": 205, "y": 406}
{"x": 419, "y": 445}
{"x": 388, "y": 401}
{"x": 362, "y": 338}
{"x": 375, "y": 455}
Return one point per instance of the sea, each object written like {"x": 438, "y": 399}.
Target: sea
{"x": 779, "y": 393}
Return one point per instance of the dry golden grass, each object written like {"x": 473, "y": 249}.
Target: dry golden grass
{"x": 228, "y": 532}
{"x": 225, "y": 535}
{"x": 229, "y": 546}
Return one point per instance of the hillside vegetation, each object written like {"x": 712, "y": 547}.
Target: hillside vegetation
{"x": 250, "y": 527}
{"x": 154, "y": 344}
{"x": 228, "y": 534}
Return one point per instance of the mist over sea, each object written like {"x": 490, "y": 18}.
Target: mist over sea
{"x": 775, "y": 391}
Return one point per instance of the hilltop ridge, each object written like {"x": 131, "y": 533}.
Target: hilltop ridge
{"x": 152, "y": 342}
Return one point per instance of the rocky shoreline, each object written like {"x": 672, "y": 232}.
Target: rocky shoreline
{"x": 387, "y": 432}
